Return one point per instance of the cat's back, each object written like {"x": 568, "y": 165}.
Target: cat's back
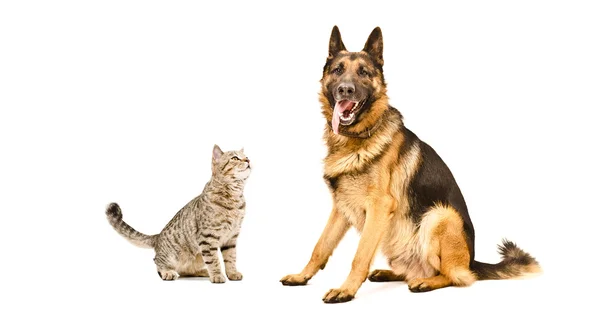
{"x": 187, "y": 214}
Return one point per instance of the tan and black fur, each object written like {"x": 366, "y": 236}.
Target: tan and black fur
{"x": 394, "y": 189}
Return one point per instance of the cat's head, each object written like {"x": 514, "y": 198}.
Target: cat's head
{"x": 230, "y": 165}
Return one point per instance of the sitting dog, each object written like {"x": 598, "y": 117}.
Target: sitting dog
{"x": 393, "y": 188}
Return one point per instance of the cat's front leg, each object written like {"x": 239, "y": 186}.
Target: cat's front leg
{"x": 208, "y": 250}
{"x": 229, "y": 258}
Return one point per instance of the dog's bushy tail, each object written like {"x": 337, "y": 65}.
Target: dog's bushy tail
{"x": 115, "y": 218}
{"x": 515, "y": 263}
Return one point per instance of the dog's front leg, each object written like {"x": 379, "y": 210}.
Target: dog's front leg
{"x": 334, "y": 231}
{"x": 378, "y": 215}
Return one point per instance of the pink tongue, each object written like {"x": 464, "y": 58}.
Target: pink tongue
{"x": 340, "y": 107}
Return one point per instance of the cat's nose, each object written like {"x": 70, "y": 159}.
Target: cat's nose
{"x": 247, "y": 160}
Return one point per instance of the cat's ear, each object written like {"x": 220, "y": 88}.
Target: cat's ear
{"x": 217, "y": 153}
{"x": 242, "y": 150}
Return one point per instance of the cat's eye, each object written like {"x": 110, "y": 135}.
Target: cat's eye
{"x": 235, "y": 158}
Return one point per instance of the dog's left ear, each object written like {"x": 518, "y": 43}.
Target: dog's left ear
{"x": 374, "y": 46}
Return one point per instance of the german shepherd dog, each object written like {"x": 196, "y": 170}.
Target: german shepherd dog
{"x": 393, "y": 188}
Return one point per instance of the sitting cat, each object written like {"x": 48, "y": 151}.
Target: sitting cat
{"x": 188, "y": 244}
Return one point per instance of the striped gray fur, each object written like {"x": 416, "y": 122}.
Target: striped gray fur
{"x": 189, "y": 244}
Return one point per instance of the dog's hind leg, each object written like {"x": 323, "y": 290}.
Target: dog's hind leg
{"x": 447, "y": 251}
{"x": 426, "y": 284}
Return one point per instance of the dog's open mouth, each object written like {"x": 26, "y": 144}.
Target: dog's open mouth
{"x": 344, "y": 113}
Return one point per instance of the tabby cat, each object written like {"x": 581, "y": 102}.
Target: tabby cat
{"x": 188, "y": 244}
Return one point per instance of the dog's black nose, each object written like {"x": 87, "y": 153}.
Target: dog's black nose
{"x": 346, "y": 89}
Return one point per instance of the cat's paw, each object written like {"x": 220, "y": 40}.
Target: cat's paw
{"x": 217, "y": 279}
{"x": 294, "y": 280}
{"x": 168, "y": 275}
{"x": 235, "y": 276}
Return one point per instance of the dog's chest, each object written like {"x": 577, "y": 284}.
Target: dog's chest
{"x": 350, "y": 196}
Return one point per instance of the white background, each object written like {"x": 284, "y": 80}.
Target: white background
{"x": 123, "y": 100}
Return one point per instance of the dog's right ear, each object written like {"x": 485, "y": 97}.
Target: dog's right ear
{"x": 336, "y": 44}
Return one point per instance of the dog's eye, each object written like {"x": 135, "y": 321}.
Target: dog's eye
{"x": 363, "y": 72}
{"x": 235, "y": 158}
{"x": 338, "y": 70}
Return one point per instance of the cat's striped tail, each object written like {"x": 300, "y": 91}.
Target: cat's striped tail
{"x": 115, "y": 218}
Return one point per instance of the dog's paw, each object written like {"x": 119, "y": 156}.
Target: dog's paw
{"x": 168, "y": 275}
{"x": 217, "y": 279}
{"x": 338, "y": 295}
{"x": 419, "y": 285}
{"x": 235, "y": 276}
{"x": 294, "y": 280}
{"x": 383, "y": 275}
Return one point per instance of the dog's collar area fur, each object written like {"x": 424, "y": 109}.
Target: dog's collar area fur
{"x": 367, "y": 133}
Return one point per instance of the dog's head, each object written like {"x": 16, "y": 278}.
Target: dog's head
{"x": 353, "y": 90}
